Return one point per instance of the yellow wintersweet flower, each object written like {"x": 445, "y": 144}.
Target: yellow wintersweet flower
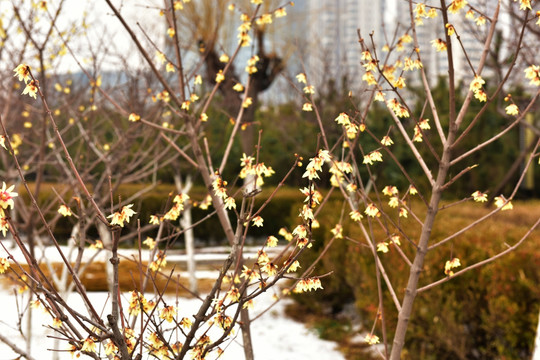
{"x": 88, "y": 345}
{"x": 257, "y": 221}
{"x": 450, "y": 29}
{"x": 171, "y": 32}
{"x": 238, "y": 87}
{"x": 178, "y": 5}
{"x": 355, "y": 215}
{"x": 439, "y": 44}
{"x": 198, "y": 80}
{"x": 246, "y": 103}
{"x": 230, "y": 203}
{"x": 301, "y": 78}
{"x": 366, "y": 55}
{"x": 382, "y": 247}
{"x": 403, "y": 213}
{"x": 371, "y": 65}
{"x": 451, "y": 264}
{"x": 6, "y": 196}
{"x": 371, "y": 210}
{"x": 134, "y": 117}
{"x": 169, "y": 67}
{"x": 280, "y": 12}
{"x": 310, "y": 89}
{"x": 271, "y": 241}
{"x": 390, "y": 190}
{"x": 379, "y": 96}
{"x": 456, "y": 5}
{"x": 64, "y": 210}
{"x": 501, "y": 202}
{"x": 31, "y": 89}
{"x": 480, "y": 20}
{"x": 386, "y": 140}
{"x": 23, "y": 72}
{"x": 420, "y": 10}
{"x": 160, "y": 57}
{"x": 220, "y": 77}
{"x": 533, "y": 73}
{"x": 118, "y": 218}
{"x": 4, "y": 265}
{"x": 469, "y": 14}
{"x": 479, "y": 196}
{"x": 372, "y": 157}
{"x": 512, "y": 109}
{"x": 224, "y": 58}
{"x": 110, "y": 348}
{"x": 307, "y": 107}
{"x": 343, "y": 119}
{"x": 480, "y": 95}
{"x": 168, "y": 313}
{"x": 476, "y": 83}
{"x": 524, "y": 4}
{"x": 308, "y": 285}
{"x": 151, "y": 243}
{"x": 337, "y": 231}
{"x": 393, "y": 202}
{"x": 399, "y": 83}
{"x": 369, "y": 78}
{"x": 371, "y": 339}
{"x": 264, "y": 19}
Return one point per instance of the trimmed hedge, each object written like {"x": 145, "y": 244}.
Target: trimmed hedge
{"x": 487, "y": 313}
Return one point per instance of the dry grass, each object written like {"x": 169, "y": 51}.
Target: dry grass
{"x": 94, "y": 278}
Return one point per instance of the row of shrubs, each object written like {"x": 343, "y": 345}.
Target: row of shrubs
{"x": 487, "y": 313}
{"x": 278, "y": 213}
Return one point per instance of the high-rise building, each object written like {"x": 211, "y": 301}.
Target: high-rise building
{"x": 333, "y": 32}
{"x": 336, "y": 53}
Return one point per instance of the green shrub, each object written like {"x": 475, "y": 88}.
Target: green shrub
{"x": 490, "y": 312}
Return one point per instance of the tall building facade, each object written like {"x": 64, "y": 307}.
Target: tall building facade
{"x": 333, "y": 32}
{"x": 335, "y": 52}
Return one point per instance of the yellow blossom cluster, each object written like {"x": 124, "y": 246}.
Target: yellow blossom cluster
{"x": 309, "y": 284}
{"x": 22, "y": 71}
{"x": 119, "y": 217}
{"x": 423, "y": 124}
{"x": 373, "y": 157}
{"x": 479, "y": 196}
{"x": 6, "y": 200}
{"x": 533, "y": 74}
{"x": 175, "y": 211}
{"x": 315, "y": 164}
{"x": 502, "y": 203}
{"x": 477, "y": 88}
{"x": 138, "y": 302}
{"x": 259, "y": 171}
{"x": 350, "y": 127}
{"x": 338, "y": 171}
{"x": 159, "y": 263}
{"x": 421, "y": 12}
{"x": 451, "y": 264}
{"x": 383, "y": 246}
{"x": 398, "y": 109}
{"x": 371, "y": 339}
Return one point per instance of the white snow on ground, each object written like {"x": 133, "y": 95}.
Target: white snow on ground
{"x": 274, "y": 335}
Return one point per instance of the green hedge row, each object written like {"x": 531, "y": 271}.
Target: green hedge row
{"x": 487, "y": 313}
{"x": 278, "y": 213}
